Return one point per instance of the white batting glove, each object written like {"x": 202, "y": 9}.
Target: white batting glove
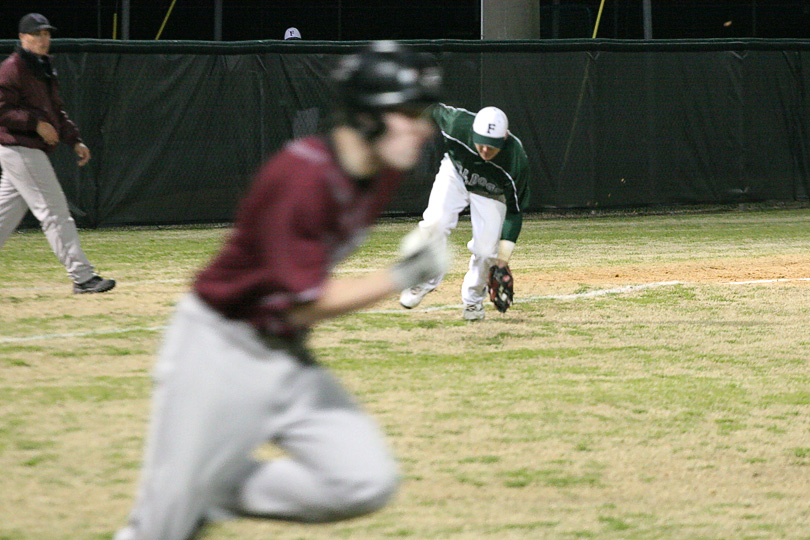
{"x": 423, "y": 256}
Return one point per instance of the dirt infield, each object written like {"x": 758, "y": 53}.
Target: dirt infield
{"x": 147, "y": 297}
{"x": 707, "y": 271}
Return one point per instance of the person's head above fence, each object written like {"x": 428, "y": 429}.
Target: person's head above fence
{"x": 33, "y": 23}
{"x": 35, "y": 34}
{"x": 292, "y": 33}
{"x": 490, "y": 131}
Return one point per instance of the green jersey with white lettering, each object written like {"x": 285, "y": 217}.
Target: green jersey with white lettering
{"x": 504, "y": 177}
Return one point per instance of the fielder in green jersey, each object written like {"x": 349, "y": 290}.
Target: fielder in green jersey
{"x": 486, "y": 168}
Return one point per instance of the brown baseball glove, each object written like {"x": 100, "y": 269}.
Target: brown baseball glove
{"x": 501, "y": 287}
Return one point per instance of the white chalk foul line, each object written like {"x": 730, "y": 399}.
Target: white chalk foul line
{"x": 82, "y": 334}
{"x": 602, "y": 292}
{"x": 573, "y": 296}
{"x": 777, "y": 280}
{"x": 588, "y": 294}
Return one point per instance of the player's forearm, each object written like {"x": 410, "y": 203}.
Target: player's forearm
{"x": 422, "y": 256}
{"x": 342, "y": 296}
{"x": 512, "y": 226}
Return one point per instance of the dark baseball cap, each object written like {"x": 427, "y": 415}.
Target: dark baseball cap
{"x": 34, "y": 22}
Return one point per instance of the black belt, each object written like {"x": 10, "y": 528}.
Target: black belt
{"x": 295, "y": 346}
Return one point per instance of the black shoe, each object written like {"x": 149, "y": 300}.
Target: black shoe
{"x": 95, "y": 284}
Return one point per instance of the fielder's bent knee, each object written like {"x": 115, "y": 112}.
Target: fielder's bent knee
{"x": 371, "y": 497}
{"x": 358, "y": 497}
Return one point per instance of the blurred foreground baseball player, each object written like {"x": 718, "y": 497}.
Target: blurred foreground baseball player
{"x": 484, "y": 167}
{"x": 234, "y": 371}
{"x": 32, "y": 123}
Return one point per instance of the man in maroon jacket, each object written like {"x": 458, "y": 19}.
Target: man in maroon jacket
{"x": 32, "y": 122}
{"x": 234, "y": 371}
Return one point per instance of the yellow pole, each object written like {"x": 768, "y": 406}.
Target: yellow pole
{"x": 165, "y": 19}
{"x": 115, "y": 24}
{"x": 581, "y": 94}
{"x": 598, "y": 18}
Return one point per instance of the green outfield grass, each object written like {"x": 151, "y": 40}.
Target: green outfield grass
{"x": 651, "y": 382}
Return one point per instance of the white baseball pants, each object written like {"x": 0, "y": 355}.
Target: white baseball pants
{"x": 448, "y": 198}
{"x": 220, "y": 393}
{"x": 29, "y": 181}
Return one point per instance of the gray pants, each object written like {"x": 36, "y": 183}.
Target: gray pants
{"x": 29, "y": 181}
{"x": 220, "y": 393}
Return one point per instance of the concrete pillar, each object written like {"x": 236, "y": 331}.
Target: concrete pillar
{"x": 125, "y": 19}
{"x": 510, "y": 19}
{"x": 217, "y": 20}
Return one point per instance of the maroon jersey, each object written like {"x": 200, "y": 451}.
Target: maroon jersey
{"x": 302, "y": 216}
{"x": 29, "y": 92}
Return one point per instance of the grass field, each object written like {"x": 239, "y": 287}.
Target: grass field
{"x": 651, "y": 382}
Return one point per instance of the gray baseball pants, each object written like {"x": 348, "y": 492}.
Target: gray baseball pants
{"x": 29, "y": 181}
{"x": 222, "y": 391}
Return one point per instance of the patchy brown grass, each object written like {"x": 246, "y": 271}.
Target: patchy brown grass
{"x": 676, "y": 412}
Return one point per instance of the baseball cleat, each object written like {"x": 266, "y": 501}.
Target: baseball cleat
{"x": 410, "y": 298}
{"x": 95, "y": 284}
{"x": 473, "y": 312}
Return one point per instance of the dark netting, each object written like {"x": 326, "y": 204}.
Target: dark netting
{"x": 178, "y": 128}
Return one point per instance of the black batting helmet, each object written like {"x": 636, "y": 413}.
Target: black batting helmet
{"x": 386, "y": 75}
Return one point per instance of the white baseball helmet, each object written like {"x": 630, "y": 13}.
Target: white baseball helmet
{"x": 292, "y": 33}
{"x": 490, "y": 127}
